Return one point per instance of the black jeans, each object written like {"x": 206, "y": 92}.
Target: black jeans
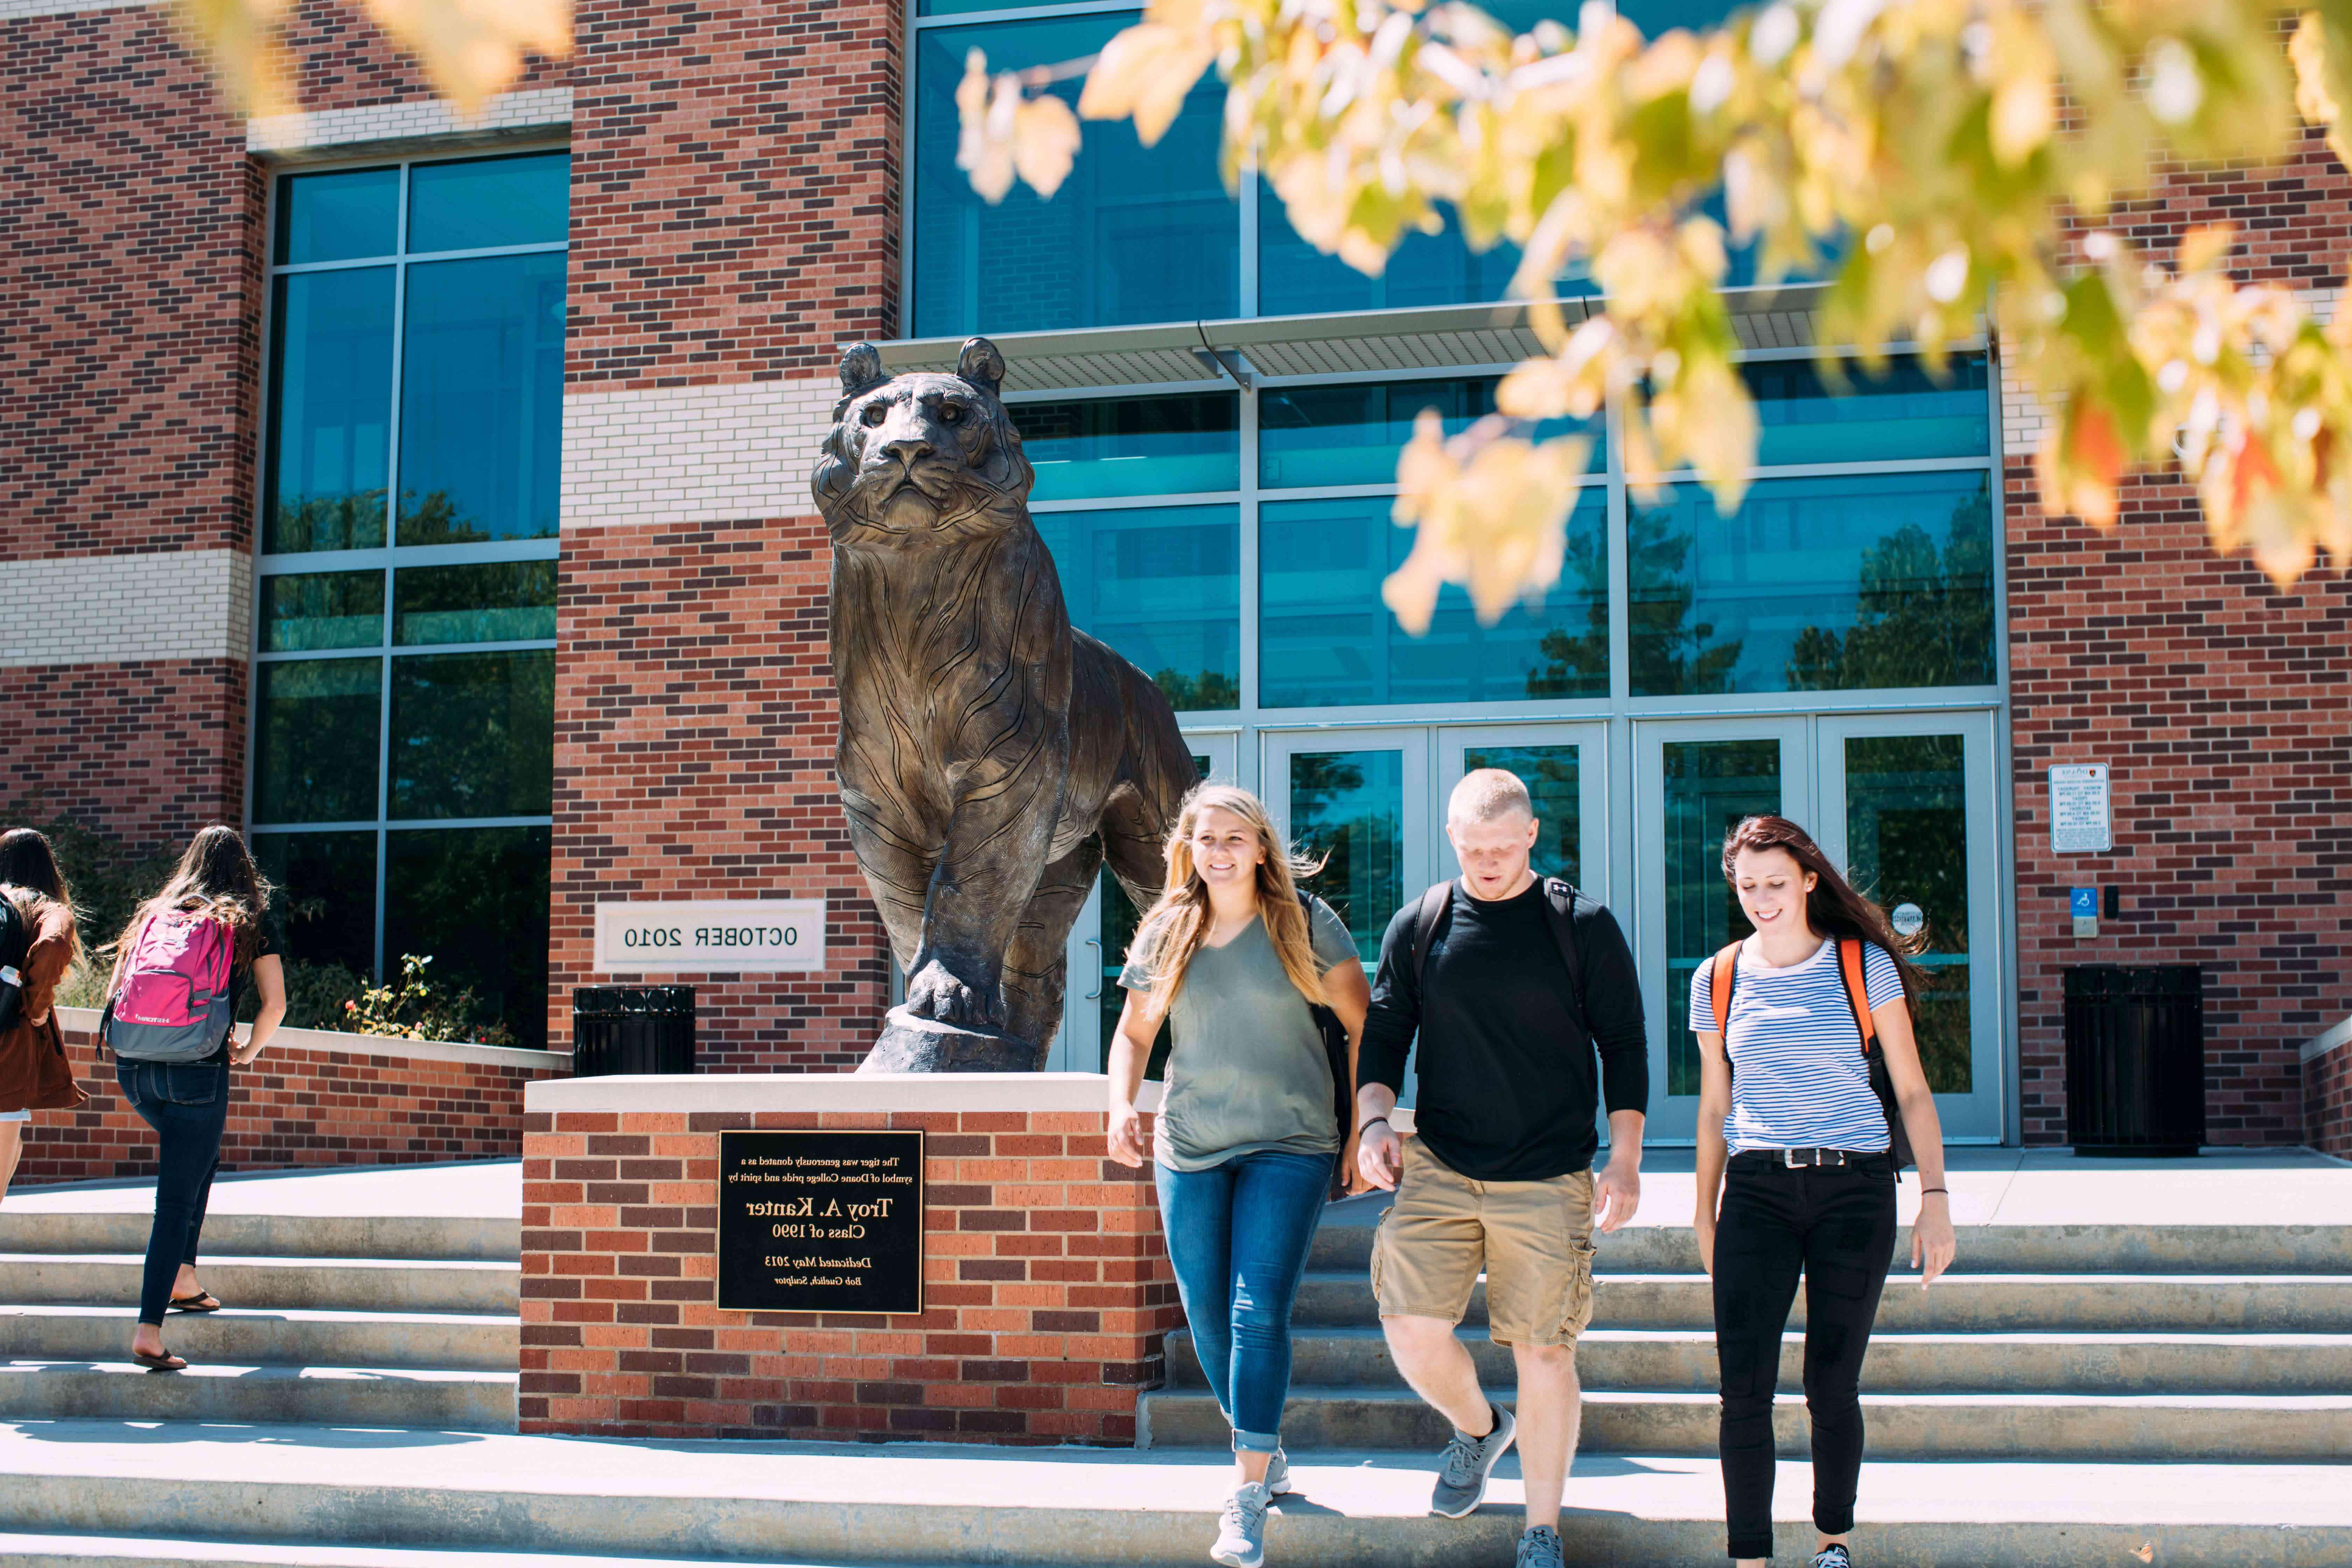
{"x": 188, "y": 1105}
{"x": 1836, "y": 1223}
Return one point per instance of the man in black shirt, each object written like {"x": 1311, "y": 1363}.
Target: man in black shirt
{"x": 1498, "y": 1176}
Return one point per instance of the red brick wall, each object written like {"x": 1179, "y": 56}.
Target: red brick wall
{"x": 2327, "y": 1102}
{"x": 1047, "y": 1291}
{"x": 148, "y": 753}
{"x": 296, "y": 1106}
{"x": 694, "y": 733}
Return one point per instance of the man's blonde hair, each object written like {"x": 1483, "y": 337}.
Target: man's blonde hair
{"x": 1485, "y": 794}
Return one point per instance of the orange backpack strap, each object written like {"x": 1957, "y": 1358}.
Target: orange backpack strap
{"x": 1727, "y": 969}
{"x": 1857, "y": 992}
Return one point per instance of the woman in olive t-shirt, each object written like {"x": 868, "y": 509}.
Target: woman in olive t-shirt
{"x": 1246, "y": 1135}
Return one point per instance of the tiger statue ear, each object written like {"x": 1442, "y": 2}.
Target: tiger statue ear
{"x": 981, "y": 365}
{"x": 861, "y": 369}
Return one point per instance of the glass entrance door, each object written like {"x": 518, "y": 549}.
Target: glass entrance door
{"x": 1566, "y": 769}
{"x": 1359, "y": 800}
{"x": 1904, "y": 802}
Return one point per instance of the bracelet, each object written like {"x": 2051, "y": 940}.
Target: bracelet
{"x": 1366, "y": 1127}
{"x": 1925, "y": 1191}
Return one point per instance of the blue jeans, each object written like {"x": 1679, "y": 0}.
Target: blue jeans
{"x": 188, "y": 1105}
{"x": 1238, "y": 1235}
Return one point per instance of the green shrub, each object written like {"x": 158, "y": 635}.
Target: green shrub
{"x": 416, "y": 1009}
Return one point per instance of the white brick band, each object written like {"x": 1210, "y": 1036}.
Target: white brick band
{"x": 120, "y": 609}
{"x": 12, "y": 10}
{"x": 693, "y": 454}
{"x": 418, "y": 120}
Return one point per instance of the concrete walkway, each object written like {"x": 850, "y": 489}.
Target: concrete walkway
{"x": 484, "y": 1190}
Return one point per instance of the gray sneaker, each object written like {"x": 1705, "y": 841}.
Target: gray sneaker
{"x": 1241, "y": 1529}
{"x": 1277, "y": 1474}
{"x": 1462, "y": 1479}
{"x": 1539, "y": 1548}
{"x": 1834, "y": 1555}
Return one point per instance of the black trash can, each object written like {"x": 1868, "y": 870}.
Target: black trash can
{"x": 632, "y": 1029}
{"x": 2135, "y": 1060}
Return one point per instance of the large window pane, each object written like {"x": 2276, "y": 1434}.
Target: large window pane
{"x": 316, "y": 724}
{"x": 1905, "y": 413}
{"x": 1907, "y": 824}
{"x": 1131, "y": 446}
{"x": 329, "y": 410}
{"x": 1350, "y": 806}
{"x": 475, "y": 902}
{"x": 326, "y": 894}
{"x": 338, "y": 217}
{"x": 476, "y": 203}
{"x": 481, "y": 399}
{"x": 1709, "y": 786}
{"x": 1135, "y": 233}
{"x": 1555, "y": 790}
{"x": 1161, "y": 585}
{"x": 1656, "y": 17}
{"x": 488, "y": 601}
{"x": 1351, "y": 435}
{"x": 1328, "y": 639}
{"x": 473, "y": 734}
{"x": 1293, "y": 279}
{"x": 1815, "y": 584}
{"x": 321, "y": 610}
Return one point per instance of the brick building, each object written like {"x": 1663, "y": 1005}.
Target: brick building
{"x": 431, "y": 499}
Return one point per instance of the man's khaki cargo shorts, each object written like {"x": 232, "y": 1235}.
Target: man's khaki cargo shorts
{"x": 1532, "y": 1239}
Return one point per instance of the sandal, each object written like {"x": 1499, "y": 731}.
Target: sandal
{"x": 201, "y": 1301}
{"x": 167, "y": 1362}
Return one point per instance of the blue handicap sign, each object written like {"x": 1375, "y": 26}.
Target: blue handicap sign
{"x": 2084, "y": 902}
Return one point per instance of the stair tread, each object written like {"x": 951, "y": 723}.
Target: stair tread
{"x": 1605, "y": 1278}
{"x": 1371, "y": 1334}
{"x": 339, "y": 1555}
{"x": 261, "y": 1371}
{"x": 230, "y": 1261}
{"x": 1383, "y": 1394}
{"x": 270, "y": 1314}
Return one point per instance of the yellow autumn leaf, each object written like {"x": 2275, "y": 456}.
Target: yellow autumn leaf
{"x": 1045, "y": 142}
{"x": 473, "y": 48}
{"x": 249, "y": 60}
{"x": 2025, "y": 99}
{"x": 984, "y": 116}
{"x": 1143, "y": 74}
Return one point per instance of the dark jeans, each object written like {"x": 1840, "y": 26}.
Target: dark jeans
{"x": 1837, "y": 1223}
{"x": 188, "y": 1105}
{"x": 1238, "y": 1234}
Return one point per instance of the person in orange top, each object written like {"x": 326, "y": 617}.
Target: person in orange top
{"x": 34, "y": 1072}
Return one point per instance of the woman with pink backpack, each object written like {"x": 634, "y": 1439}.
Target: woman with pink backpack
{"x": 171, "y": 1020}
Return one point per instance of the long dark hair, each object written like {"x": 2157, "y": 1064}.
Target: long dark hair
{"x": 1833, "y": 908}
{"x": 28, "y": 865}
{"x": 215, "y": 877}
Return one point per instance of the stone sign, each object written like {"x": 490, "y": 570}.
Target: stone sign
{"x": 709, "y": 936}
{"x": 821, "y": 1221}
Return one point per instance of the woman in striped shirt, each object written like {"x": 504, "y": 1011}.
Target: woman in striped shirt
{"x": 1797, "y": 1163}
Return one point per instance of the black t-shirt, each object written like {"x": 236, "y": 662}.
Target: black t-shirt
{"x": 1509, "y": 1084}
{"x": 270, "y": 942}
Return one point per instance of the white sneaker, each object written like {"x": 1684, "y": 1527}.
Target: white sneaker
{"x": 1241, "y": 1529}
{"x": 1277, "y": 1474}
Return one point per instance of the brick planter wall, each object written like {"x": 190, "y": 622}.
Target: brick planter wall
{"x": 312, "y": 1099}
{"x": 1048, "y": 1290}
{"x": 2327, "y": 1092}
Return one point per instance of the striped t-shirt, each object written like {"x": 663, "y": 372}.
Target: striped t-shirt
{"x": 1798, "y": 1080}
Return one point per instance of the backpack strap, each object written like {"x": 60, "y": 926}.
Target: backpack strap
{"x": 1857, "y": 993}
{"x": 1720, "y": 980}
{"x": 1559, "y": 913}
{"x": 1434, "y": 902}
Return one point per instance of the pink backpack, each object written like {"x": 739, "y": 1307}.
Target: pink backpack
{"x": 174, "y": 1000}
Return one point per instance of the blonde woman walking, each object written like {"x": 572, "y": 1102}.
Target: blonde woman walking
{"x": 1250, "y": 1129}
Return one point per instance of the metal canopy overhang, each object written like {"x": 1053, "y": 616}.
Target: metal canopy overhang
{"x": 1431, "y": 337}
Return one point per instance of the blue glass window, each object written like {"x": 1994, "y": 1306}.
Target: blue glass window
{"x": 1132, "y": 445}
{"x": 338, "y": 217}
{"x": 474, "y": 900}
{"x": 316, "y": 722}
{"x": 1160, "y": 584}
{"x": 473, "y": 734}
{"x": 1328, "y": 639}
{"x": 329, "y": 411}
{"x": 325, "y": 890}
{"x": 1293, "y": 279}
{"x": 1350, "y": 434}
{"x": 1905, "y": 413}
{"x": 488, "y": 601}
{"x": 1831, "y": 583}
{"x": 312, "y": 610}
{"x": 481, "y": 399}
{"x": 1655, "y": 16}
{"x": 1135, "y": 233}
{"x": 475, "y": 203}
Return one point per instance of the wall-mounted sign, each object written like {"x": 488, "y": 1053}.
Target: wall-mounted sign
{"x": 2079, "y": 818}
{"x": 2083, "y": 905}
{"x": 821, "y": 1221}
{"x": 1908, "y": 920}
{"x": 703, "y": 937}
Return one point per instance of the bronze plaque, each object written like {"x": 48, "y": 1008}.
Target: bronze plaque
{"x": 821, "y": 1221}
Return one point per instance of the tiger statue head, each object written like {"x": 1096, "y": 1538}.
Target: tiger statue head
{"x": 921, "y": 458}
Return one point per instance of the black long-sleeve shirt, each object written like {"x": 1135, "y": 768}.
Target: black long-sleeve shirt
{"x": 1508, "y": 1077}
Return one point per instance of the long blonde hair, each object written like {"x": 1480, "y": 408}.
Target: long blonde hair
{"x": 1176, "y": 925}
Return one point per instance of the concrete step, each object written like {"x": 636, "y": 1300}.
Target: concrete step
{"x": 42, "y": 1550}
{"x": 2188, "y": 1429}
{"x": 498, "y": 1498}
{"x": 1948, "y": 1364}
{"x": 228, "y": 1392}
{"x": 440, "y": 1239}
{"x": 314, "y": 1284}
{"x": 1961, "y": 1303}
{"x": 1345, "y": 1242}
{"x": 462, "y": 1341}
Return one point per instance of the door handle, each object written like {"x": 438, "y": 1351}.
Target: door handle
{"x": 1095, "y": 970}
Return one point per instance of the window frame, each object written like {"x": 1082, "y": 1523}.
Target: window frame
{"x": 391, "y": 554}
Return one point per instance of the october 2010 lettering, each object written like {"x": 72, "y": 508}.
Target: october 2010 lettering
{"x": 710, "y": 936}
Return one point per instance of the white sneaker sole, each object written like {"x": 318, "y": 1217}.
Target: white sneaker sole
{"x": 1238, "y": 1559}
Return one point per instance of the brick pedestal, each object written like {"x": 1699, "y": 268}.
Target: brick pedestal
{"x": 2328, "y": 1092}
{"x": 1048, "y": 1290}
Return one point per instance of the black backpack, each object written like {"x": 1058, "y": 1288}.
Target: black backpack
{"x": 1343, "y": 1071}
{"x": 1559, "y": 914}
{"x": 16, "y": 941}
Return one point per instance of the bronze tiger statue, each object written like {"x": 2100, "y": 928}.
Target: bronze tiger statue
{"x": 992, "y": 757}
